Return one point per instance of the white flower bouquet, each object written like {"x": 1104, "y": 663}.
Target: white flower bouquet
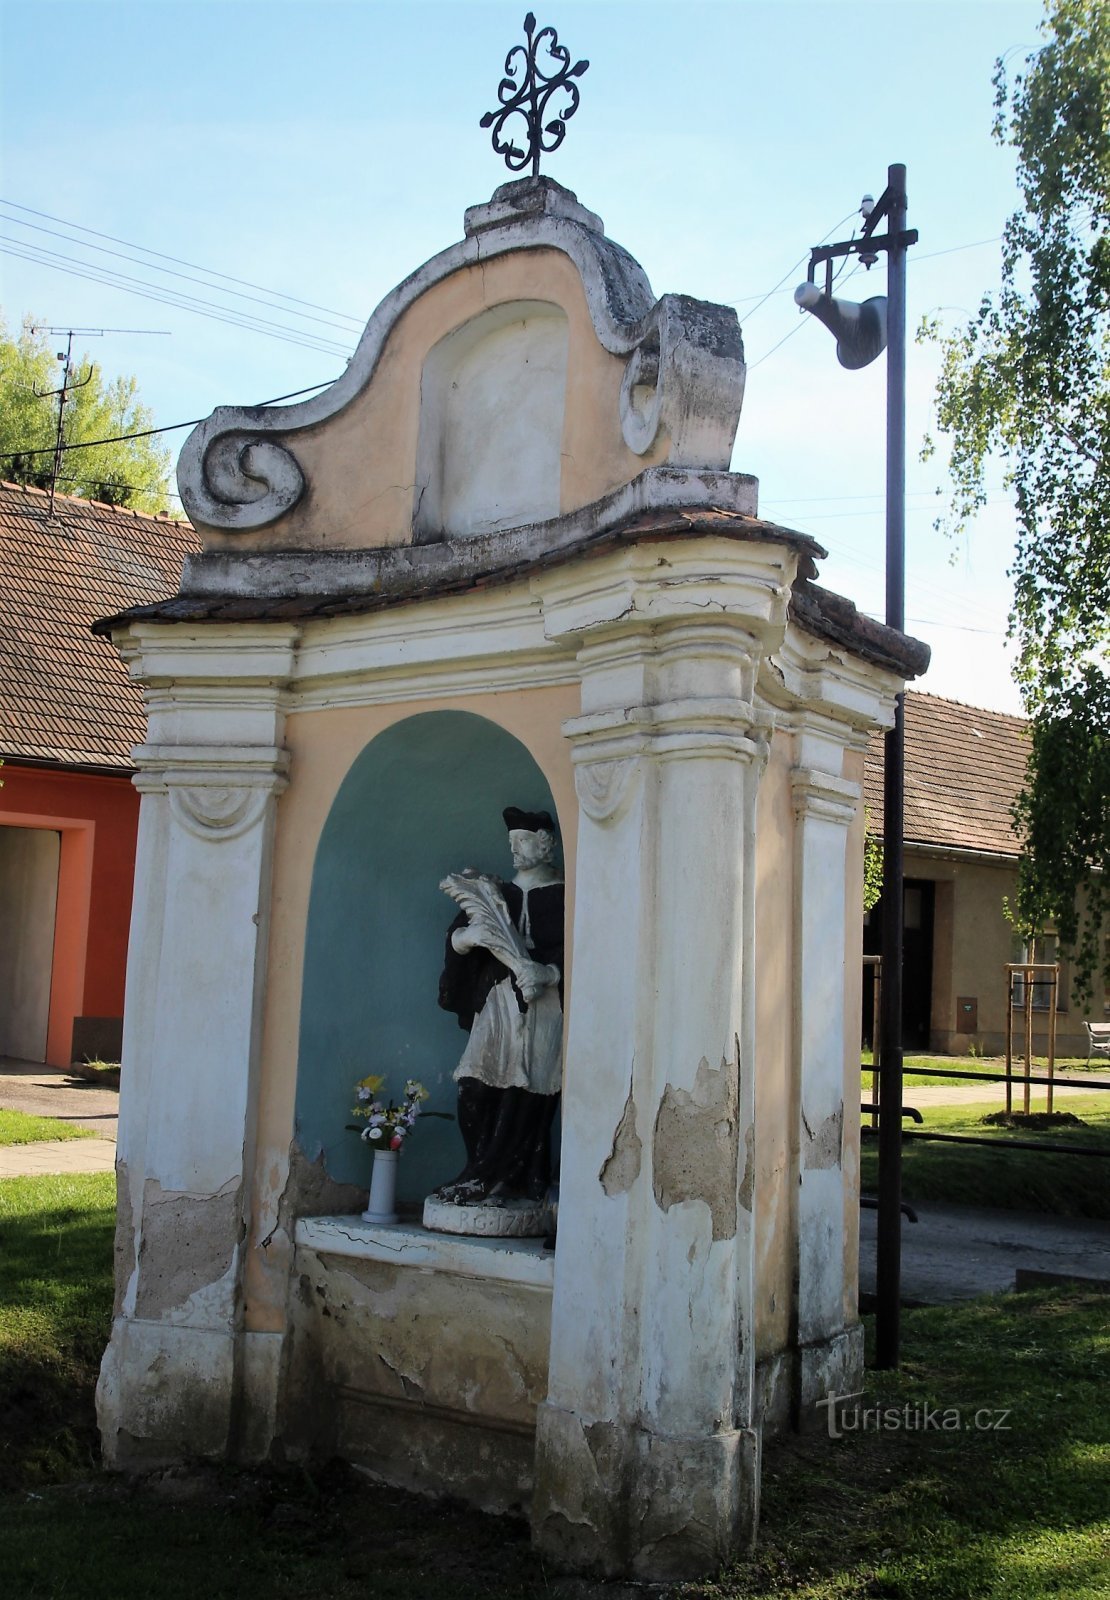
{"x": 388, "y": 1125}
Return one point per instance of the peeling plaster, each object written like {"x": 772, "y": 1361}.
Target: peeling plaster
{"x": 308, "y": 1192}
{"x": 189, "y": 1242}
{"x": 823, "y": 1148}
{"x": 123, "y": 1249}
{"x": 621, "y": 1167}
{"x": 695, "y": 1147}
{"x": 747, "y": 1182}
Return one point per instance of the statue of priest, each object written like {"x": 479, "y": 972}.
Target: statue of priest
{"x": 503, "y": 979}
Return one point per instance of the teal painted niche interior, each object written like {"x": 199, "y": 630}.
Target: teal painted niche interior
{"x": 423, "y": 799}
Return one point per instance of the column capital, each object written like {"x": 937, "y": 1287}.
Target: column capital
{"x": 216, "y": 792}
{"x": 822, "y": 688}
{"x": 719, "y": 727}
{"x": 672, "y": 580}
{"x": 820, "y": 794}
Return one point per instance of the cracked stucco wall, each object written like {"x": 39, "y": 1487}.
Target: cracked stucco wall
{"x": 432, "y": 1380}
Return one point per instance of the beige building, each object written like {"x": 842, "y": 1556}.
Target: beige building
{"x": 964, "y": 768}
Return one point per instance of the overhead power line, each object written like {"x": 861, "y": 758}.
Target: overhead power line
{"x": 162, "y": 256}
{"x": 146, "y": 433}
{"x": 166, "y": 295}
{"x": 930, "y": 255}
{"x": 188, "y": 277}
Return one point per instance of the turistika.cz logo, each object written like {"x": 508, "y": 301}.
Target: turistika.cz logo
{"x": 845, "y": 1415}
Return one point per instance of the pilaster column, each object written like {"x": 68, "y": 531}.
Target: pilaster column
{"x": 828, "y": 700}
{"x": 647, "y": 1458}
{"x": 830, "y": 1353}
{"x": 196, "y": 961}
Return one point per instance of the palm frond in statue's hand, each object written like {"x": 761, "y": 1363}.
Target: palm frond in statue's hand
{"x": 480, "y": 897}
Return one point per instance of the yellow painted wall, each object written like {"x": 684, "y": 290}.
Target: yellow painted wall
{"x": 972, "y": 943}
{"x": 853, "y": 1021}
{"x": 360, "y": 466}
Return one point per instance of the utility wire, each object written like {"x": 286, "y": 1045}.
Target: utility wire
{"x": 930, "y": 255}
{"x": 302, "y": 338}
{"x": 135, "y": 488}
{"x": 826, "y": 516}
{"x": 161, "y": 255}
{"x": 170, "y": 296}
{"x": 830, "y": 499}
{"x": 146, "y": 433}
{"x": 188, "y": 277}
{"x": 803, "y": 319}
{"x": 790, "y": 271}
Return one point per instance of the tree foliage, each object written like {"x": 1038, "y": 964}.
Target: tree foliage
{"x": 872, "y": 865}
{"x": 133, "y": 472}
{"x": 1028, "y": 381}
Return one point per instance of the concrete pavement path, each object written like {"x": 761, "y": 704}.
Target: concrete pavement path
{"x": 43, "y": 1091}
{"x": 967, "y": 1094}
{"x": 52, "y": 1092}
{"x": 57, "y": 1155}
{"x": 958, "y": 1252}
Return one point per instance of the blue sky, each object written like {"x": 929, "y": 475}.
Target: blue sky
{"x": 324, "y": 148}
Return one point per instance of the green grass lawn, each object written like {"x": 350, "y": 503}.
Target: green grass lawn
{"x": 906, "y": 1514}
{"x": 18, "y": 1127}
{"x": 928, "y": 1069}
{"x": 1013, "y": 1179}
{"x": 55, "y": 1304}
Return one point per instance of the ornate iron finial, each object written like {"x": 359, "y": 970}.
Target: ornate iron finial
{"x": 529, "y": 98}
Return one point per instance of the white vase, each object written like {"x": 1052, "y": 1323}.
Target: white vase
{"x": 383, "y": 1186}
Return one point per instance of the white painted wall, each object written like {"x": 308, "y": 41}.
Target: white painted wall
{"x": 29, "y": 860}
{"x": 492, "y": 397}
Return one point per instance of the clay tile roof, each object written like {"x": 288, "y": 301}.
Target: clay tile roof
{"x": 65, "y": 696}
{"x": 964, "y": 768}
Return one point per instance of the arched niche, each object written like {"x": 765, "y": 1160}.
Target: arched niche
{"x": 492, "y": 400}
{"x": 423, "y": 799}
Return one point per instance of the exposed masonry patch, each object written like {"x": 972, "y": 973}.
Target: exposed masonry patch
{"x": 695, "y": 1146}
{"x": 621, "y": 1167}
{"x": 310, "y": 1192}
{"x": 188, "y": 1243}
{"x": 747, "y": 1182}
{"x": 123, "y": 1250}
{"x": 822, "y": 1148}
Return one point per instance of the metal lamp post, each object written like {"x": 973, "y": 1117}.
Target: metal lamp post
{"x": 861, "y": 332}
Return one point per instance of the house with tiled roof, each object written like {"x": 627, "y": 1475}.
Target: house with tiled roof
{"x": 69, "y": 717}
{"x": 964, "y": 769}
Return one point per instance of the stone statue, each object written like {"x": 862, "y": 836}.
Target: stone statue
{"x": 503, "y": 979}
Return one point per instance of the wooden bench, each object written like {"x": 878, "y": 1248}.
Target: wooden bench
{"x": 1098, "y": 1039}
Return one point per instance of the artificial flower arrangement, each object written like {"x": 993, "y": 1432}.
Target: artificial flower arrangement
{"x": 388, "y": 1126}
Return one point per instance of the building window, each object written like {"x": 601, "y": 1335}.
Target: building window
{"x": 1044, "y": 950}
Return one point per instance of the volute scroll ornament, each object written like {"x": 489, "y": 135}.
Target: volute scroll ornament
{"x": 245, "y": 481}
{"x": 685, "y": 379}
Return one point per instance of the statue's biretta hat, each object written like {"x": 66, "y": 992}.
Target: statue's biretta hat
{"x": 528, "y": 821}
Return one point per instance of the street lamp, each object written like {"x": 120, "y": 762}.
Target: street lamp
{"x": 862, "y": 332}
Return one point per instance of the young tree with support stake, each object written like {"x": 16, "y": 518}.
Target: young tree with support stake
{"x": 1028, "y": 380}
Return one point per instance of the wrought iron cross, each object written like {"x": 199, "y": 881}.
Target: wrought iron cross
{"x": 529, "y": 97}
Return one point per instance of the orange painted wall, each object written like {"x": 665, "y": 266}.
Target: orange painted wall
{"x": 98, "y": 821}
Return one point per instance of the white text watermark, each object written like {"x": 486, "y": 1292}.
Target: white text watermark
{"x": 845, "y": 1414}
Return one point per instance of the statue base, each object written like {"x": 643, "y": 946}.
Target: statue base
{"x": 491, "y": 1219}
